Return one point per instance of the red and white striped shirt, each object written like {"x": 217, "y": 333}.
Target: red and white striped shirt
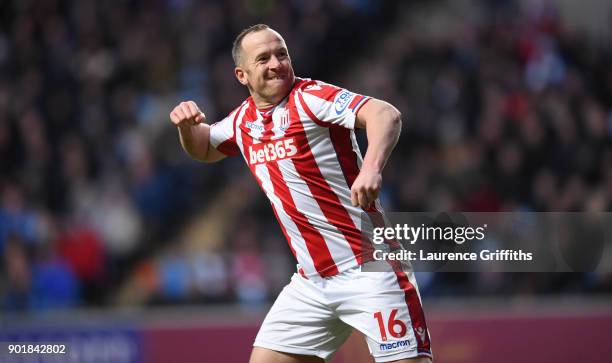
{"x": 305, "y": 157}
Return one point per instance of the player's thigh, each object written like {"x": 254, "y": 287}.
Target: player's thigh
{"x": 264, "y": 355}
{"x": 299, "y": 323}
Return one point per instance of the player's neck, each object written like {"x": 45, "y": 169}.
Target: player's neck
{"x": 265, "y": 103}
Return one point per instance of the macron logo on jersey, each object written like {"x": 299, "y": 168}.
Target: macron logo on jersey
{"x": 272, "y": 151}
{"x": 342, "y": 101}
{"x": 253, "y": 126}
{"x": 394, "y": 345}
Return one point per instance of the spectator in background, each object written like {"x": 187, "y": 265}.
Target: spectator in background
{"x": 18, "y": 279}
{"x": 80, "y": 246}
{"x": 16, "y": 219}
{"x": 42, "y": 283}
{"x": 54, "y": 285}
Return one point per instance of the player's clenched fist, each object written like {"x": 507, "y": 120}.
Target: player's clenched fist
{"x": 366, "y": 188}
{"x": 187, "y": 114}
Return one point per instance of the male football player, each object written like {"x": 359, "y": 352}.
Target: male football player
{"x": 297, "y": 137}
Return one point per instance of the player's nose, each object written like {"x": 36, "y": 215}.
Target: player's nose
{"x": 274, "y": 63}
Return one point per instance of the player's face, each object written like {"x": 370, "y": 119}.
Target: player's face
{"x": 265, "y": 67}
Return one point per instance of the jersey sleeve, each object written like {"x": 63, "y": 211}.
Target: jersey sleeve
{"x": 330, "y": 105}
{"x": 222, "y": 135}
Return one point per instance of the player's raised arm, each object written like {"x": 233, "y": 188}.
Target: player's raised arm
{"x": 194, "y": 133}
{"x": 383, "y": 125}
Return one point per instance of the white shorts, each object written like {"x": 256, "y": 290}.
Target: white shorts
{"x": 315, "y": 316}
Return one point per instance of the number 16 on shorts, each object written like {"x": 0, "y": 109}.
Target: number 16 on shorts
{"x": 395, "y": 327}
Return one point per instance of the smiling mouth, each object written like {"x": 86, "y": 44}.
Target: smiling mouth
{"x": 276, "y": 78}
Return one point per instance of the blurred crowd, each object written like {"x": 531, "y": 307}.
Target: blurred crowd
{"x": 504, "y": 110}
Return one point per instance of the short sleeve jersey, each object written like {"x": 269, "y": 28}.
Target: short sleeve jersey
{"x": 305, "y": 157}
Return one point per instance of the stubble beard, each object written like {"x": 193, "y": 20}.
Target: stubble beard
{"x": 276, "y": 93}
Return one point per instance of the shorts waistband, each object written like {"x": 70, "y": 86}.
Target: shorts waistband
{"x": 318, "y": 278}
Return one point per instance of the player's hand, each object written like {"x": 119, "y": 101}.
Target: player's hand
{"x": 187, "y": 114}
{"x": 366, "y": 188}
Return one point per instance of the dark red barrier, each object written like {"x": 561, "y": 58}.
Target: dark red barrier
{"x": 464, "y": 337}
{"x": 198, "y": 344}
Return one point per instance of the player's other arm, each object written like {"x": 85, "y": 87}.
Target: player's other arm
{"x": 194, "y": 133}
{"x": 383, "y": 125}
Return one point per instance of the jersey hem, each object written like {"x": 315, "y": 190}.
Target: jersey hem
{"x": 361, "y": 103}
{"x": 341, "y": 267}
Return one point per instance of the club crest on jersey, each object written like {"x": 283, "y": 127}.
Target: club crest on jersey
{"x": 421, "y": 332}
{"x": 285, "y": 120}
{"x": 342, "y": 101}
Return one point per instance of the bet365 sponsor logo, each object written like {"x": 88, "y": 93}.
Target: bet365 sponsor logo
{"x": 272, "y": 151}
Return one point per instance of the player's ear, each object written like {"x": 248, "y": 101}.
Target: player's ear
{"x": 240, "y": 75}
